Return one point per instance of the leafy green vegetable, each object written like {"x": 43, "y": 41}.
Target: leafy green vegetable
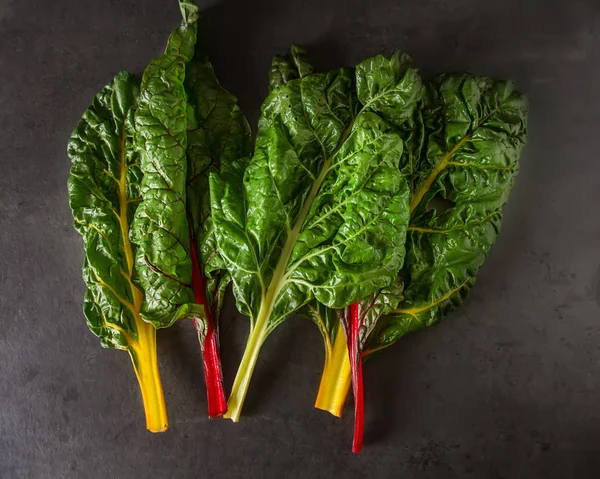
{"x": 462, "y": 151}
{"x": 218, "y": 137}
{"x": 187, "y": 125}
{"x": 476, "y": 128}
{"x": 318, "y": 212}
{"x": 103, "y": 194}
{"x": 160, "y": 227}
{"x": 369, "y": 204}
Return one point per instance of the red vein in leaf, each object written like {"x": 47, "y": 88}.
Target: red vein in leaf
{"x": 157, "y": 270}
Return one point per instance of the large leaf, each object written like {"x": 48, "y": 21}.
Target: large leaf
{"x": 219, "y": 140}
{"x": 372, "y": 75}
{"x": 160, "y": 228}
{"x": 475, "y": 129}
{"x": 322, "y": 208}
{"x": 103, "y": 194}
{"x": 218, "y": 136}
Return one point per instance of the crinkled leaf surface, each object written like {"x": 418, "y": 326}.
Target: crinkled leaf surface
{"x": 322, "y": 204}
{"x": 373, "y": 77}
{"x": 218, "y": 139}
{"x": 474, "y": 129}
{"x": 160, "y": 227}
{"x": 103, "y": 194}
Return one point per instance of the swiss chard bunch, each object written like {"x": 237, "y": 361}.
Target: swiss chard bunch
{"x": 141, "y": 157}
{"x": 461, "y": 156}
{"x": 369, "y": 203}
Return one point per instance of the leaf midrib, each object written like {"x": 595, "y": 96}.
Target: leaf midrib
{"x": 418, "y": 310}
{"x": 136, "y": 294}
{"x": 280, "y": 278}
{"x": 425, "y": 187}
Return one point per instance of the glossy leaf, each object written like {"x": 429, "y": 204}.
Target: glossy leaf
{"x": 461, "y": 157}
{"x": 103, "y": 194}
{"x": 320, "y": 209}
{"x": 160, "y": 228}
{"x": 475, "y": 129}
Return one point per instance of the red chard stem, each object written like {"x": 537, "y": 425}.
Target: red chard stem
{"x": 354, "y": 350}
{"x": 213, "y": 374}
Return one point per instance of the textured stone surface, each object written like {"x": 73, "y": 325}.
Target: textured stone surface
{"x": 507, "y": 387}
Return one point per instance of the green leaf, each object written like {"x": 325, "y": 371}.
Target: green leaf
{"x": 461, "y": 157}
{"x": 322, "y": 208}
{"x": 160, "y": 228}
{"x": 475, "y": 129}
{"x": 219, "y": 140}
{"x": 388, "y": 85}
{"x": 285, "y": 69}
{"x": 103, "y": 194}
{"x": 187, "y": 126}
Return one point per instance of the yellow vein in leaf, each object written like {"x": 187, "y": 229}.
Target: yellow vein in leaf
{"x": 441, "y": 166}
{"x": 98, "y": 230}
{"x": 116, "y": 327}
{"x": 447, "y": 296}
{"x": 454, "y": 228}
{"x": 136, "y": 294}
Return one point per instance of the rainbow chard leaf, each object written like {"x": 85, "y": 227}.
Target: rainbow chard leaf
{"x": 461, "y": 158}
{"x": 187, "y": 125}
{"x": 321, "y": 210}
{"x": 476, "y": 128}
{"x": 218, "y": 137}
{"x": 103, "y": 194}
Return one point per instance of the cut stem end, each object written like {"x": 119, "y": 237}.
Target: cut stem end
{"x": 246, "y": 369}
{"x": 336, "y": 378}
{"x": 145, "y": 364}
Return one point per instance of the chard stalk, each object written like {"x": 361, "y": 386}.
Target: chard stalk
{"x": 258, "y": 333}
{"x": 145, "y": 364}
{"x": 213, "y": 375}
{"x": 261, "y": 328}
{"x": 256, "y": 338}
{"x": 357, "y": 378}
{"x": 336, "y": 378}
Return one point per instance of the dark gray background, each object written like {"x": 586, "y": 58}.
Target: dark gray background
{"x": 507, "y": 387}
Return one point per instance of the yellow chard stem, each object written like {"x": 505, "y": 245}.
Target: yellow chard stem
{"x": 258, "y": 334}
{"x": 145, "y": 364}
{"x": 336, "y": 378}
{"x": 260, "y": 329}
